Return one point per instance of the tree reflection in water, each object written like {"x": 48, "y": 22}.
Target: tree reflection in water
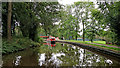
{"x": 60, "y": 55}
{"x": 17, "y": 62}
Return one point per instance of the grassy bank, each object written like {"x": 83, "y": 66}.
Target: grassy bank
{"x": 100, "y": 42}
{"x": 17, "y": 44}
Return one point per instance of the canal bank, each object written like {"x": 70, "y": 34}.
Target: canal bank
{"x": 105, "y": 52}
{"x": 18, "y": 44}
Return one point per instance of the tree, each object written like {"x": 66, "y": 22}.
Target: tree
{"x": 9, "y": 20}
{"x": 4, "y": 17}
{"x": 28, "y": 16}
{"x": 48, "y": 14}
{"x": 111, "y": 16}
{"x": 68, "y": 24}
{"x": 82, "y": 10}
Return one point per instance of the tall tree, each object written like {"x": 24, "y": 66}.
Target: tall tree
{"x": 67, "y": 24}
{"x": 82, "y": 10}
{"x": 48, "y": 14}
{"x": 4, "y": 17}
{"x": 9, "y": 20}
{"x": 28, "y": 16}
{"x": 111, "y": 12}
{"x": 96, "y": 25}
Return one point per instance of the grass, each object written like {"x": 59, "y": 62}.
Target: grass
{"x": 100, "y": 42}
{"x": 16, "y": 44}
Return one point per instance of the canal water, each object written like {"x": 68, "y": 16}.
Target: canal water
{"x": 57, "y": 55}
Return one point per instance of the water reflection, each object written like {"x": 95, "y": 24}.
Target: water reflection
{"x": 55, "y": 58}
{"x": 108, "y": 61}
{"x": 62, "y": 44}
{"x": 17, "y": 62}
{"x": 58, "y": 55}
{"x": 49, "y": 44}
{"x": 41, "y": 59}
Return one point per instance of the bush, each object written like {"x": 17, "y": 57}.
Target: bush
{"x": 17, "y": 44}
{"x": 41, "y": 39}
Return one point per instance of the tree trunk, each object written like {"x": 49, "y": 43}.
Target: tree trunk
{"x": 33, "y": 32}
{"x": 45, "y": 32}
{"x": 76, "y": 37}
{"x": 14, "y": 29}
{"x": 91, "y": 39}
{"x": 83, "y": 32}
{"x": 9, "y": 21}
{"x": 76, "y": 33}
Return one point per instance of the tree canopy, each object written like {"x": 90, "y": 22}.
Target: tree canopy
{"x": 32, "y": 19}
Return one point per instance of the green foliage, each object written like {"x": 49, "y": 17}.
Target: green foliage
{"x": 69, "y": 26}
{"x": 39, "y": 39}
{"x": 96, "y": 26}
{"x": 111, "y": 16}
{"x": 111, "y": 37}
{"x": 82, "y": 10}
{"x": 17, "y": 44}
{"x": 49, "y": 14}
{"x": 28, "y": 16}
{"x": 4, "y": 19}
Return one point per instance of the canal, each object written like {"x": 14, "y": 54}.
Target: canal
{"x": 57, "y": 55}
